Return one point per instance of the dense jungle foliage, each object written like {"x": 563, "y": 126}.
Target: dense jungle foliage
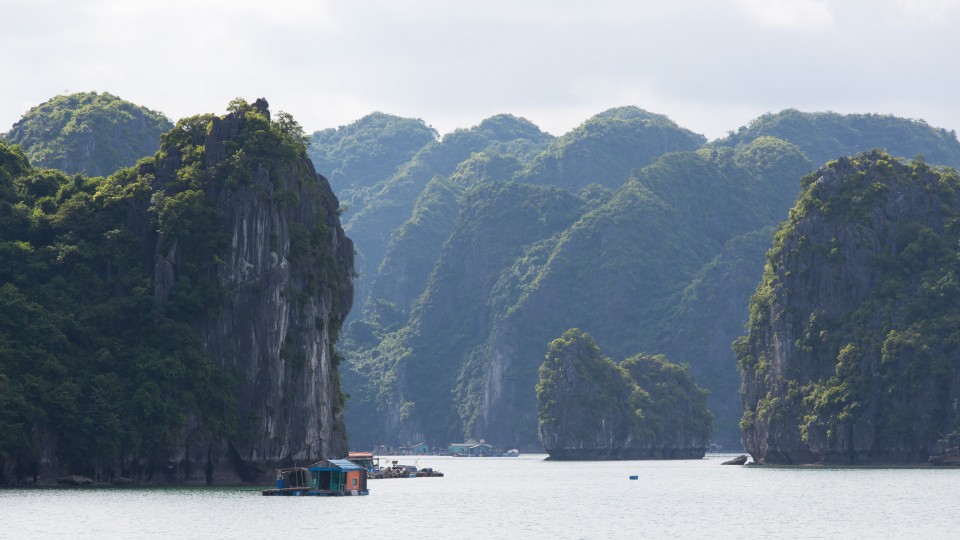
{"x": 93, "y": 368}
{"x": 90, "y": 133}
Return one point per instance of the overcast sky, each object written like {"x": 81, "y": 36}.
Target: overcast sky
{"x": 710, "y": 65}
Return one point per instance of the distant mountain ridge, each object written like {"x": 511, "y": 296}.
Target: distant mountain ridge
{"x": 476, "y": 249}
{"x": 564, "y": 280}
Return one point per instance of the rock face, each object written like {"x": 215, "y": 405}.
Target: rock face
{"x": 852, "y": 353}
{"x": 590, "y": 408}
{"x": 286, "y": 281}
{"x": 947, "y": 451}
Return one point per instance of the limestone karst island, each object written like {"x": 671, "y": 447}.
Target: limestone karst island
{"x": 208, "y": 300}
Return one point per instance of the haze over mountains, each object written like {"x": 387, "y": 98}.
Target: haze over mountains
{"x": 641, "y": 233}
{"x": 477, "y": 249}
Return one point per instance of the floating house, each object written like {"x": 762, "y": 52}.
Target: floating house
{"x": 418, "y": 449}
{"x": 332, "y": 477}
{"x": 471, "y": 449}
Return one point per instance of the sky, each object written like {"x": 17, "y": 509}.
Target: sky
{"x": 710, "y": 65}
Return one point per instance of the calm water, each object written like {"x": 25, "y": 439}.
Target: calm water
{"x": 523, "y": 497}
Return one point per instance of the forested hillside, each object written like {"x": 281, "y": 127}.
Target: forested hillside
{"x": 357, "y": 157}
{"x": 89, "y": 133}
{"x": 175, "y": 321}
{"x": 474, "y": 251}
{"x": 607, "y": 147}
{"x": 381, "y": 207}
{"x": 662, "y": 261}
{"x": 826, "y": 135}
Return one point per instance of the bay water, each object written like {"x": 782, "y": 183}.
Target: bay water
{"x": 525, "y": 497}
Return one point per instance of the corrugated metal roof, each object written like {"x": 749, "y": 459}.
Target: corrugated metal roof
{"x": 345, "y": 464}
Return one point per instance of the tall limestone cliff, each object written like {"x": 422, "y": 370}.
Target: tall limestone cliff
{"x": 853, "y": 353}
{"x": 283, "y": 277}
{"x": 174, "y": 322}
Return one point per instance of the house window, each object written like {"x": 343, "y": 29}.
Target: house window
{"x": 354, "y": 482}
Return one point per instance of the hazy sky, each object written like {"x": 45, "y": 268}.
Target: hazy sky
{"x": 711, "y": 65}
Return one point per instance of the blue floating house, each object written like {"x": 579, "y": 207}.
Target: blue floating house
{"x": 331, "y": 477}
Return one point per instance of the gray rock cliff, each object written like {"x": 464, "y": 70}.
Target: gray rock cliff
{"x": 852, "y": 352}
{"x": 286, "y": 282}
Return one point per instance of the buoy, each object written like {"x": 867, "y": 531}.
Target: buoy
{"x": 634, "y": 477}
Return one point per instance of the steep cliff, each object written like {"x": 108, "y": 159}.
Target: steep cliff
{"x": 425, "y": 375}
{"x": 379, "y": 209}
{"x": 591, "y": 408}
{"x": 663, "y": 262}
{"x": 618, "y": 271}
{"x": 416, "y": 245}
{"x": 174, "y": 322}
{"x": 853, "y": 346}
{"x": 709, "y": 314}
{"x": 283, "y": 278}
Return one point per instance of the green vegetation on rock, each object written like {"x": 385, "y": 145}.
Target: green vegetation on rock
{"x": 366, "y": 152}
{"x": 87, "y": 357}
{"x": 607, "y": 148}
{"x": 90, "y": 133}
{"x": 854, "y": 334}
{"x": 112, "y": 293}
{"x": 591, "y": 408}
{"x": 823, "y": 136}
{"x": 662, "y": 258}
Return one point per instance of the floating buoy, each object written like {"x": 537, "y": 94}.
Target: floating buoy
{"x": 634, "y": 477}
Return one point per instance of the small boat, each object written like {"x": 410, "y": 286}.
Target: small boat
{"x": 394, "y": 471}
{"x": 326, "y": 478}
{"x": 428, "y": 472}
{"x": 397, "y": 470}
